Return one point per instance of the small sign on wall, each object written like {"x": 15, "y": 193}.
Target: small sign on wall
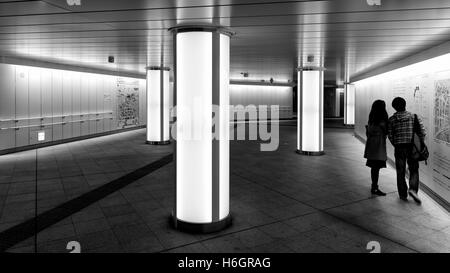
{"x": 74, "y": 2}
{"x": 41, "y": 135}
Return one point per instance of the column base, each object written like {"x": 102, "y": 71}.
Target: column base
{"x": 349, "y": 126}
{"x": 310, "y": 153}
{"x": 166, "y": 142}
{"x": 201, "y": 228}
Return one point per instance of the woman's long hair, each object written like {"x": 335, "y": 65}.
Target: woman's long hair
{"x": 378, "y": 113}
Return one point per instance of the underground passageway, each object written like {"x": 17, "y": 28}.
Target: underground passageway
{"x": 115, "y": 117}
{"x": 280, "y": 201}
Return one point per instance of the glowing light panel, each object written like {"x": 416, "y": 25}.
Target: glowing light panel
{"x": 224, "y": 198}
{"x": 349, "y": 106}
{"x": 194, "y": 108}
{"x": 154, "y": 106}
{"x": 202, "y": 160}
{"x": 310, "y": 111}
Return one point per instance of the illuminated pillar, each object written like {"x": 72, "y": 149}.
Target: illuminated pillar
{"x": 310, "y": 111}
{"x": 158, "y": 107}
{"x": 202, "y": 61}
{"x": 349, "y": 104}
{"x": 337, "y": 108}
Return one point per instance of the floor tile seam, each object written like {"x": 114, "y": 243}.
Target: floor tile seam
{"x": 337, "y": 217}
{"x": 238, "y": 231}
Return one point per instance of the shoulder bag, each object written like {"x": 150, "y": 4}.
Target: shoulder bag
{"x": 419, "y": 149}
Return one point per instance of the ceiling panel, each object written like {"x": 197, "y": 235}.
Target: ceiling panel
{"x": 272, "y": 37}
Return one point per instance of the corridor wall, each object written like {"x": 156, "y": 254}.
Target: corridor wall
{"x": 43, "y": 105}
{"x": 245, "y": 95}
{"x": 331, "y": 102}
{"x": 426, "y": 88}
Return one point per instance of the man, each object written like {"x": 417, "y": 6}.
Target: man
{"x": 400, "y": 133}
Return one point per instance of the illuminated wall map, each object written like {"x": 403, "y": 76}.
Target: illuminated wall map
{"x": 442, "y": 110}
{"x": 127, "y": 102}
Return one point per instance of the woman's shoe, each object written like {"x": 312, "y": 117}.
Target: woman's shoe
{"x": 378, "y": 192}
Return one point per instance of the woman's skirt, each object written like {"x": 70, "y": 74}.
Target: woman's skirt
{"x": 376, "y": 163}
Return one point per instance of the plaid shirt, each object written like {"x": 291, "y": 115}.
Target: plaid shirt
{"x": 401, "y": 127}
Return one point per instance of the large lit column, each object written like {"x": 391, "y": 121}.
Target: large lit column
{"x": 158, "y": 107}
{"x": 310, "y": 111}
{"x": 349, "y": 104}
{"x": 202, "y": 60}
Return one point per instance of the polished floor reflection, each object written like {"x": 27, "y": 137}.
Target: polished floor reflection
{"x": 281, "y": 201}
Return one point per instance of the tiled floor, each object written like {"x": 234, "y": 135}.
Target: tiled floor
{"x": 280, "y": 201}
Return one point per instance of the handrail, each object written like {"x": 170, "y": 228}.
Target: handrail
{"x": 62, "y": 116}
{"x": 51, "y": 124}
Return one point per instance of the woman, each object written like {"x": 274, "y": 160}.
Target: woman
{"x": 375, "y": 150}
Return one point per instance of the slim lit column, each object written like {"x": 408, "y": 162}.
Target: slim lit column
{"x": 310, "y": 111}
{"x": 158, "y": 107}
{"x": 349, "y": 104}
{"x": 337, "y": 108}
{"x": 202, "y": 60}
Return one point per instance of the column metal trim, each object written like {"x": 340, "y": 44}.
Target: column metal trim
{"x": 300, "y": 114}
{"x": 161, "y": 105}
{"x": 321, "y": 111}
{"x": 215, "y": 142}
{"x": 174, "y": 125}
{"x": 161, "y": 94}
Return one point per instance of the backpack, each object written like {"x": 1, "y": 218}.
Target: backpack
{"x": 419, "y": 149}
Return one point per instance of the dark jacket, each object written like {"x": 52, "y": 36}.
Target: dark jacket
{"x": 376, "y": 141}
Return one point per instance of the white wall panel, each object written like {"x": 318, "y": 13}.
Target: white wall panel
{"x": 22, "y": 114}
{"x": 76, "y": 104}
{"x": 46, "y": 93}
{"x": 84, "y": 116}
{"x": 57, "y": 103}
{"x": 7, "y": 89}
{"x": 262, "y": 95}
{"x": 100, "y": 108}
{"x": 92, "y": 104}
{"x": 7, "y": 105}
{"x": 67, "y": 103}
{"x": 47, "y": 103}
{"x": 108, "y": 94}
{"x": 114, "y": 122}
{"x": 34, "y": 78}
{"x": 42, "y": 99}
{"x": 35, "y": 104}
{"x": 22, "y": 92}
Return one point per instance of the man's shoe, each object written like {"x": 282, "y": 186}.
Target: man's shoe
{"x": 404, "y": 198}
{"x": 414, "y": 195}
{"x": 378, "y": 192}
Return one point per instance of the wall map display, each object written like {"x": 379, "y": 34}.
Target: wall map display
{"x": 127, "y": 102}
